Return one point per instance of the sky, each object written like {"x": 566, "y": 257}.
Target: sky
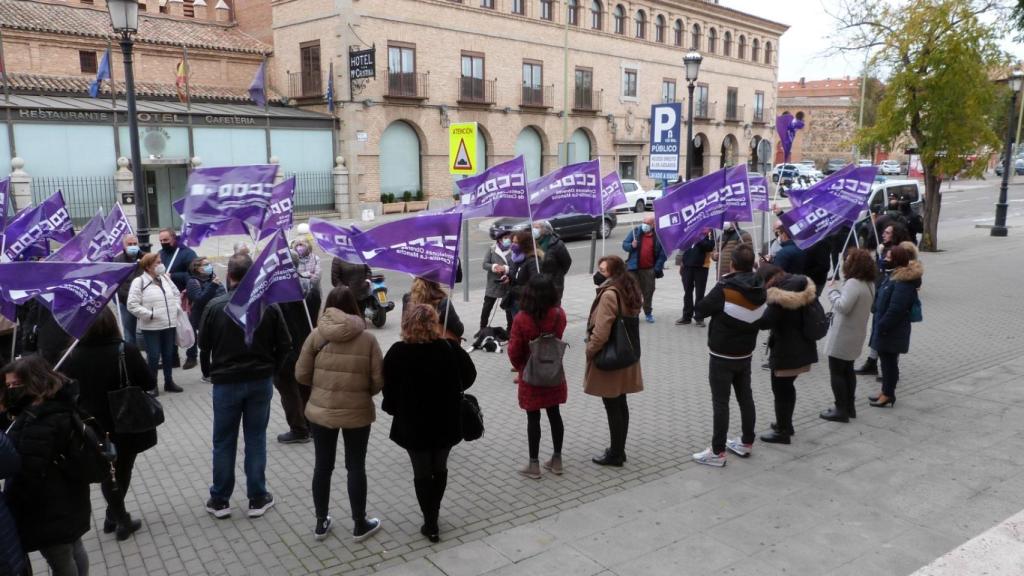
{"x": 802, "y": 46}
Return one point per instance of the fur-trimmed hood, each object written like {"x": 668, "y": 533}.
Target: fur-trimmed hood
{"x": 912, "y": 272}
{"x": 910, "y": 247}
{"x": 794, "y": 291}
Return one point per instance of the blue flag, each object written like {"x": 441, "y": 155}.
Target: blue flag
{"x": 330, "y": 88}
{"x": 257, "y": 90}
{"x": 102, "y": 73}
{"x": 272, "y": 279}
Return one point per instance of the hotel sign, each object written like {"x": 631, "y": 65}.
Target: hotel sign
{"x": 159, "y": 118}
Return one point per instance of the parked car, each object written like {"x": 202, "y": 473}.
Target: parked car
{"x": 566, "y": 226}
{"x": 864, "y": 163}
{"x": 785, "y": 173}
{"x": 889, "y": 167}
{"x": 636, "y": 197}
{"x": 909, "y": 191}
{"x": 834, "y": 165}
{"x": 809, "y": 171}
{"x": 1018, "y": 167}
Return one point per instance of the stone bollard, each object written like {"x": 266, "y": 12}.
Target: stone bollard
{"x": 279, "y": 176}
{"x": 124, "y": 185}
{"x": 21, "y": 185}
{"x": 341, "y": 188}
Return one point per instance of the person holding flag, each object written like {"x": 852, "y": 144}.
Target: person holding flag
{"x": 555, "y": 259}
{"x": 130, "y": 254}
{"x": 646, "y": 260}
{"x": 694, "y": 264}
{"x": 177, "y": 258}
{"x": 731, "y": 237}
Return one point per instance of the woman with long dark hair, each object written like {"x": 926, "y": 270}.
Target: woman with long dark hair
{"x": 96, "y": 364}
{"x": 539, "y": 314}
{"x": 425, "y": 375}
{"x": 890, "y": 334}
{"x": 433, "y": 294}
{"x": 343, "y": 364}
{"x": 617, "y": 294}
{"x": 524, "y": 266}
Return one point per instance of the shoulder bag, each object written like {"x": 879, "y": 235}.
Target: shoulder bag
{"x": 623, "y": 346}
{"x": 132, "y": 409}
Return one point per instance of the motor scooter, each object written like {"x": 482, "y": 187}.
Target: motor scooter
{"x": 376, "y": 306}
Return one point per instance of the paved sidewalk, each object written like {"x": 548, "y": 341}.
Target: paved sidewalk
{"x": 884, "y": 495}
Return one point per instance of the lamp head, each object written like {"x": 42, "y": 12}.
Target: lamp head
{"x": 692, "y": 62}
{"x": 1016, "y": 79}
{"x": 124, "y": 15}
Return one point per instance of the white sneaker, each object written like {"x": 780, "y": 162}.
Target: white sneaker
{"x": 737, "y": 447}
{"x": 709, "y": 458}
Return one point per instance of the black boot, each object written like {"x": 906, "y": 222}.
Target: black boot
{"x": 868, "y": 368}
{"x": 425, "y": 497}
{"x": 109, "y": 523}
{"x": 126, "y": 526}
{"x": 839, "y": 413}
{"x": 834, "y": 415}
{"x": 851, "y": 393}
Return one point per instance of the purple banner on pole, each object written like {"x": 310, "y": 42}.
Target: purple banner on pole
{"x": 117, "y": 226}
{"x": 848, "y": 195}
{"x": 685, "y": 211}
{"x": 572, "y": 189}
{"x": 280, "y": 213}
{"x": 736, "y": 195}
{"x": 808, "y": 224}
{"x": 799, "y": 196}
{"x": 75, "y": 293}
{"x": 612, "y": 194}
{"x": 758, "y": 186}
{"x": 5, "y": 195}
{"x": 426, "y": 246}
{"x": 222, "y": 193}
{"x": 498, "y": 191}
{"x": 193, "y": 235}
{"x": 89, "y": 245}
{"x": 48, "y": 220}
{"x": 271, "y": 279}
{"x": 334, "y": 239}
{"x": 786, "y": 126}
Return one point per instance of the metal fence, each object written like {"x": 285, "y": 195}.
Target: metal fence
{"x": 314, "y": 192}
{"x": 83, "y": 195}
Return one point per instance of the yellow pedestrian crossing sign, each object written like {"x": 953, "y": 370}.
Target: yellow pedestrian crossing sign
{"x": 462, "y": 148}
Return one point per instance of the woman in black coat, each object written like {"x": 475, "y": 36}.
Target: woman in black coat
{"x": 890, "y": 333}
{"x": 791, "y": 353}
{"x": 424, "y": 377}
{"x": 12, "y": 558}
{"x": 95, "y": 364}
{"x": 49, "y": 497}
{"x": 524, "y": 265}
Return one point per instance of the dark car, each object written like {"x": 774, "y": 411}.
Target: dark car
{"x": 834, "y": 165}
{"x": 566, "y": 226}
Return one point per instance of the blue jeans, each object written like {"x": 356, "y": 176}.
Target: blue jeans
{"x": 130, "y": 325}
{"x": 161, "y": 344}
{"x": 247, "y": 403}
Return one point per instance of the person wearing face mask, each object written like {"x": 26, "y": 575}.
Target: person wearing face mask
{"x": 730, "y": 238}
{"x": 693, "y": 268}
{"x": 496, "y": 264}
{"x": 153, "y": 300}
{"x": 129, "y": 255}
{"x": 203, "y": 286}
{"x": 178, "y": 258}
{"x": 645, "y": 261}
{"x": 523, "y": 265}
{"x": 308, "y": 266}
{"x": 891, "y": 324}
{"x": 555, "y": 259}
{"x": 790, "y": 257}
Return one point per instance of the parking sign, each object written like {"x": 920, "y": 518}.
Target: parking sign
{"x": 665, "y": 141}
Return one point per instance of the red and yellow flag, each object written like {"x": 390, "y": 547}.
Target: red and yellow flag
{"x": 181, "y": 81}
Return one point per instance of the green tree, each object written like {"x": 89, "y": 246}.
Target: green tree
{"x": 942, "y": 59}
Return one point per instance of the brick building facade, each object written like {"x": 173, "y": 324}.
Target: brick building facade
{"x": 830, "y": 118}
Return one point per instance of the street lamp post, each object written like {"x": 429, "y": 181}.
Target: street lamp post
{"x": 124, "y": 18}
{"x": 999, "y": 229}
{"x": 692, "y": 62}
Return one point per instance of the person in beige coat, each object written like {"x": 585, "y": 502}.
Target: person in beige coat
{"x": 343, "y": 363}
{"x": 616, "y": 290}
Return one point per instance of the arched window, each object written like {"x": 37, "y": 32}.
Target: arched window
{"x": 755, "y": 50}
{"x": 768, "y": 53}
{"x": 677, "y": 33}
{"x": 595, "y": 15}
{"x": 741, "y": 52}
{"x": 695, "y": 37}
{"x": 712, "y": 41}
{"x": 659, "y": 29}
{"x": 727, "y": 43}
{"x": 573, "y": 12}
{"x": 620, "y": 19}
{"x": 641, "y": 24}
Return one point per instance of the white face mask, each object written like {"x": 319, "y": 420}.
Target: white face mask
{"x": 160, "y": 269}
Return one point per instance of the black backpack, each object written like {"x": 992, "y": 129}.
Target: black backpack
{"x": 815, "y": 321}
{"x": 90, "y": 452}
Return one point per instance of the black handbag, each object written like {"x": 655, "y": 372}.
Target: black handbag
{"x": 472, "y": 418}
{"x": 623, "y": 346}
{"x": 134, "y": 411}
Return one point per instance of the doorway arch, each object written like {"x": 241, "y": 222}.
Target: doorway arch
{"x": 729, "y": 151}
{"x": 582, "y": 150}
{"x": 400, "y": 159}
{"x": 700, "y": 147}
{"x": 530, "y": 145}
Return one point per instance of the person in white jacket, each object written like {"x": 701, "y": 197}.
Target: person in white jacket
{"x": 154, "y": 300}
{"x": 851, "y": 310}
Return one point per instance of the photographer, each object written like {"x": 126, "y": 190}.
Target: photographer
{"x": 496, "y": 264}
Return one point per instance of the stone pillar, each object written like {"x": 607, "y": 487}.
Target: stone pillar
{"x": 196, "y": 162}
{"x": 21, "y": 185}
{"x": 341, "y": 189}
{"x": 124, "y": 185}
{"x": 176, "y": 8}
{"x": 201, "y": 10}
{"x": 223, "y": 11}
{"x": 279, "y": 176}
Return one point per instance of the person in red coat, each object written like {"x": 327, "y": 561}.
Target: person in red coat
{"x": 539, "y": 313}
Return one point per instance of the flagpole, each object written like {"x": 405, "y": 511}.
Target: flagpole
{"x": 718, "y": 261}
{"x": 113, "y": 101}
{"x": 835, "y": 274}
{"x": 529, "y": 210}
{"x": 65, "y": 356}
{"x": 14, "y": 338}
{"x": 120, "y": 319}
{"x": 305, "y": 306}
{"x": 266, "y": 107}
{"x": 188, "y": 88}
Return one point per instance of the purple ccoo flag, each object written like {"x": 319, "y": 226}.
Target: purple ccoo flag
{"x": 426, "y": 246}
{"x": 89, "y": 245}
{"x": 685, "y": 211}
{"x": 737, "y": 200}
{"x": 75, "y": 293}
{"x": 797, "y": 196}
{"x": 612, "y": 194}
{"x": 117, "y": 226}
{"x": 5, "y": 193}
{"x": 334, "y": 239}
{"x": 498, "y": 191}
{"x": 572, "y": 189}
{"x": 194, "y": 234}
{"x": 229, "y": 192}
{"x": 48, "y": 220}
{"x": 280, "y": 213}
{"x": 271, "y": 279}
{"x": 844, "y": 193}
{"x": 786, "y": 126}
{"x": 808, "y": 224}
{"x": 758, "y": 186}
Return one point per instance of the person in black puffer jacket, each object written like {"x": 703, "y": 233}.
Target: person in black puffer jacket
{"x": 555, "y": 259}
{"x": 12, "y": 557}
{"x": 790, "y": 352}
{"x": 49, "y": 497}
{"x": 890, "y": 329}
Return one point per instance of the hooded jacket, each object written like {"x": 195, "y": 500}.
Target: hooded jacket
{"x": 343, "y": 364}
{"x": 891, "y": 330}
{"x": 735, "y": 306}
{"x": 788, "y": 347}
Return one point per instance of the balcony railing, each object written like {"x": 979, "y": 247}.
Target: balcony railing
{"x": 410, "y": 85}
{"x": 760, "y": 117}
{"x": 536, "y": 96}
{"x": 304, "y": 85}
{"x": 587, "y": 100}
{"x": 734, "y": 113}
{"x": 476, "y": 90}
{"x": 703, "y": 110}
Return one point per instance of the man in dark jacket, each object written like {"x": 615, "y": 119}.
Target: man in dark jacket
{"x": 293, "y": 395}
{"x": 646, "y": 260}
{"x": 693, "y": 268}
{"x": 557, "y": 261}
{"x": 735, "y": 306}
{"x": 177, "y": 258}
{"x": 789, "y": 257}
{"x": 129, "y": 255}
{"x": 242, "y": 389}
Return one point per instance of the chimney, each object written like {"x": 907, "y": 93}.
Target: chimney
{"x": 176, "y": 8}
{"x": 223, "y": 11}
{"x": 803, "y": 82}
{"x": 100, "y": 3}
{"x": 200, "y": 10}
{"x": 152, "y": 7}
